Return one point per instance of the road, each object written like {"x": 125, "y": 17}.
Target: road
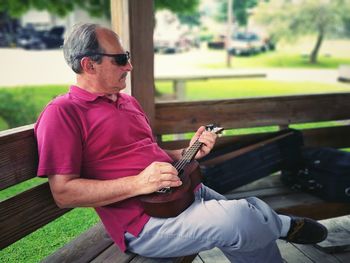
{"x": 22, "y": 67}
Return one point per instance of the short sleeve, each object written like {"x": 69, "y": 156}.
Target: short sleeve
{"x": 59, "y": 137}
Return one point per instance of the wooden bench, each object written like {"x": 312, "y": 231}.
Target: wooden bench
{"x": 28, "y": 211}
{"x": 34, "y": 208}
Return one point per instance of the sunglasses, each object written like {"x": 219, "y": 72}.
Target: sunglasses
{"x": 119, "y": 59}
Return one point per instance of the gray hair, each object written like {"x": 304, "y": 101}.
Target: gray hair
{"x": 81, "y": 40}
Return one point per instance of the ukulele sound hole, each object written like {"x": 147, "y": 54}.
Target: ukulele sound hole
{"x": 164, "y": 190}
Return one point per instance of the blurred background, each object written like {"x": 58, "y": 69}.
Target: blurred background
{"x": 219, "y": 49}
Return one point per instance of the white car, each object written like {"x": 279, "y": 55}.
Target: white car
{"x": 246, "y": 44}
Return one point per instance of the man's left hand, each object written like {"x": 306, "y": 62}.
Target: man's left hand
{"x": 207, "y": 138}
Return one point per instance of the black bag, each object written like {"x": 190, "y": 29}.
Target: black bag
{"x": 325, "y": 172}
{"x": 229, "y": 167}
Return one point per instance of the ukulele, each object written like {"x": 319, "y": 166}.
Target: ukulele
{"x": 170, "y": 202}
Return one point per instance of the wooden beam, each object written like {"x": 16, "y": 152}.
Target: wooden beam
{"x": 133, "y": 20}
{"x": 19, "y": 156}
{"x": 141, "y": 19}
{"x": 85, "y": 247}
{"x": 336, "y": 137}
{"x": 26, "y": 212}
{"x": 177, "y": 117}
{"x": 120, "y": 24}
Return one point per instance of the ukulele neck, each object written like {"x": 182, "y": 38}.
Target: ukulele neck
{"x": 188, "y": 156}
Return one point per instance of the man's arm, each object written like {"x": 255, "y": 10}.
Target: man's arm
{"x": 207, "y": 138}
{"x": 74, "y": 191}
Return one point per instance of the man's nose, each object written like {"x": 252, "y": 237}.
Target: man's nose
{"x": 128, "y": 66}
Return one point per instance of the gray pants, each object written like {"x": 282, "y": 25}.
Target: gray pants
{"x": 244, "y": 230}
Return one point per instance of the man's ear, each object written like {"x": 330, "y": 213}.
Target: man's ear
{"x": 87, "y": 65}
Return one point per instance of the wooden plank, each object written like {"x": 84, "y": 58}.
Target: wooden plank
{"x": 336, "y": 137}
{"x": 176, "y": 117}
{"x": 84, "y": 248}
{"x": 291, "y": 254}
{"x": 113, "y": 254}
{"x": 315, "y": 254}
{"x": 18, "y": 158}
{"x": 141, "y": 19}
{"x": 26, "y": 212}
{"x": 338, "y": 235}
{"x": 343, "y": 257}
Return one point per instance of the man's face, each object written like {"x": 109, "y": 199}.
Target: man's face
{"x": 110, "y": 76}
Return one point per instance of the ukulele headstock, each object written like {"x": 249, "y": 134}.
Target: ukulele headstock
{"x": 214, "y": 129}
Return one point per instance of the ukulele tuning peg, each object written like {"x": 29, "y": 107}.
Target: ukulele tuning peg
{"x": 214, "y": 128}
{"x": 209, "y": 127}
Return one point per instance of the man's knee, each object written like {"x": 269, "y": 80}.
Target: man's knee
{"x": 252, "y": 227}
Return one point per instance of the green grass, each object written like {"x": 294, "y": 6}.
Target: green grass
{"x": 243, "y": 88}
{"x": 19, "y": 188}
{"x": 49, "y": 238}
{"x": 280, "y": 59}
{"x": 41, "y": 94}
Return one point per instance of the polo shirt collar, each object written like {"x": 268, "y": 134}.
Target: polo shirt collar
{"x": 87, "y": 96}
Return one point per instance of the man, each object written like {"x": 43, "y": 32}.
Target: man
{"x": 97, "y": 149}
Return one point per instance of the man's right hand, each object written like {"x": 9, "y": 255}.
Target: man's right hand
{"x": 157, "y": 176}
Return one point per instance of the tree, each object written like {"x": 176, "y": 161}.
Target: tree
{"x": 290, "y": 19}
{"x": 99, "y": 8}
{"x": 240, "y": 11}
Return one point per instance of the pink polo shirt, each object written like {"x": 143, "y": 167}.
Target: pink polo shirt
{"x": 90, "y": 135}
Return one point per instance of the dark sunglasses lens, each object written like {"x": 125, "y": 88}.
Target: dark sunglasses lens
{"x": 121, "y": 59}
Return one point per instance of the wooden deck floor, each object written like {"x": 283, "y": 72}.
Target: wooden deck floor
{"x": 336, "y": 248}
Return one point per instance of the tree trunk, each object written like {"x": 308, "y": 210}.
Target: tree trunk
{"x": 314, "y": 53}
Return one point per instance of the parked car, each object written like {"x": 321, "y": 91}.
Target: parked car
{"x": 170, "y": 44}
{"x": 4, "y": 40}
{"x": 247, "y": 44}
{"x": 218, "y": 42}
{"x": 29, "y": 38}
{"x": 165, "y": 44}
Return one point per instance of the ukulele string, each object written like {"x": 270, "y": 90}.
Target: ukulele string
{"x": 189, "y": 154}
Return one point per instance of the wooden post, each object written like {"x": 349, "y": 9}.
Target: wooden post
{"x": 137, "y": 22}
{"x": 120, "y": 24}
{"x": 229, "y": 32}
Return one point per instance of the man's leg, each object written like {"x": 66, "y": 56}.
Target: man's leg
{"x": 243, "y": 229}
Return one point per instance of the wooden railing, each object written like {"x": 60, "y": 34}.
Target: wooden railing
{"x": 180, "y": 117}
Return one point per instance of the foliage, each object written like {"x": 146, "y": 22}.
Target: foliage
{"x": 240, "y": 10}
{"x": 98, "y": 8}
{"x": 17, "y": 110}
{"x": 292, "y": 19}
{"x": 178, "y": 6}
